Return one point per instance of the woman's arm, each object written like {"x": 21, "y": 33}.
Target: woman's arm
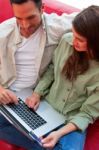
{"x": 45, "y": 82}
{"x": 53, "y": 137}
{"x": 42, "y": 88}
{"x": 89, "y": 111}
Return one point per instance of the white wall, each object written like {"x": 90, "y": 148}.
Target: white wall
{"x": 80, "y": 3}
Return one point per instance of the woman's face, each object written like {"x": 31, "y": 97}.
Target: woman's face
{"x": 79, "y": 42}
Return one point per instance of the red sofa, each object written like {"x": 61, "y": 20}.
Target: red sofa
{"x": 50, "y": 6}
{"x": 58, "y": 7}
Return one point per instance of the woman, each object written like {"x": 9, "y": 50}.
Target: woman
{"x": 71, "y": 83}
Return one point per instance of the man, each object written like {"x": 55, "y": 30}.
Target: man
{"x": 26, "y": 46}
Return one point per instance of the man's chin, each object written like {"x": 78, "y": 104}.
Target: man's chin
{"x": 26, "y": 34}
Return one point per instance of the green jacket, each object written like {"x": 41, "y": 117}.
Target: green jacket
{"x": 79, "y": 101}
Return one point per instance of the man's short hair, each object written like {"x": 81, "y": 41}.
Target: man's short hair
{"x": 38, "y": 3}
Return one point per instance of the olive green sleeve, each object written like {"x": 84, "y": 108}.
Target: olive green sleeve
{"x": 46, "y": 81}
{"x": 89, "y": 111}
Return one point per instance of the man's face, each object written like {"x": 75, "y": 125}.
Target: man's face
{"x": 28, "y": 17}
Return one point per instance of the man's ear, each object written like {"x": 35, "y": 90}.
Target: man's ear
{"x": 43, "y": 7}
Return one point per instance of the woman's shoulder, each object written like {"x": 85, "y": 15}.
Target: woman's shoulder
{"x": 68, "y": 38}
{"x": 65, "y": 46}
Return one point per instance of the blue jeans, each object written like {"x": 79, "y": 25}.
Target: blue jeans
{"x": 72, "y": 141}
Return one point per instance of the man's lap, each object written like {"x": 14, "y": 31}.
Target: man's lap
{"x": 72, "y": 141}
{"x": 13, "y": 136}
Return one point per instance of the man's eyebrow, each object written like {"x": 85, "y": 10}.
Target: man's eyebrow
{"x": 18, "y": 17}
{"x": 29, "y": 17}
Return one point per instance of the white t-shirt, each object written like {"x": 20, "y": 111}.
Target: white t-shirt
{"x": 27, "y": 67}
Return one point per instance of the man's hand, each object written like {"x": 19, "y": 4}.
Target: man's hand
{"x": 7, "y": 96}
{"x": 33, "y": 101}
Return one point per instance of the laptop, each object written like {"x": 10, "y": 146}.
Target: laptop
{"x": 33, "y": 124}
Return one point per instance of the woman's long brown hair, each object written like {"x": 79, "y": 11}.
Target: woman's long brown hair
{"x": 86, "y": 23}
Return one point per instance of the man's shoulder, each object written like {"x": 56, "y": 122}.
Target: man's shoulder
{"x": 7, "y": 27}
{"x": 53, "y": 17}
{"x": 50, "y": 19}
{"x": 63, "y": 18}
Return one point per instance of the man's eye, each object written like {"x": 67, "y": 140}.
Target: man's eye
{"x": 32, "y": 17}
{"x": 19, "y": 19}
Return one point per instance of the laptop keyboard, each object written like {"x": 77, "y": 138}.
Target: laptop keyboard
{"x": 30, "y": 117}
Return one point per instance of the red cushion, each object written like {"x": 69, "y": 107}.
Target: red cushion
{"x": 92, "y": 139}
{"x": 5, "y": 10}
{"x": 6, "y": 146}
{"x": 58, "y": 7}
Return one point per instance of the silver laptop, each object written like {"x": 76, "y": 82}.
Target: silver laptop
{"x": 32, "y": 124}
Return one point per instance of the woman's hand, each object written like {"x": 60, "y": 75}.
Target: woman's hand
{"x": 51, "y": 140}
{"x": 33, "y": 101}
{"x": 7, "y": 96}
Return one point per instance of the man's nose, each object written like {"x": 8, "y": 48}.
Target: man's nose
{"x": 25, "y": 24}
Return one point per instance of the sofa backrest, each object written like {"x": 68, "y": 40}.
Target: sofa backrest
{"x": 49, "y": 7}
{"x": 5, "y": 10}
{"x": 58, "y": 7}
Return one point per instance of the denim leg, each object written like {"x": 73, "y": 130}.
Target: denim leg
{"x": 71, "y": 141}
{"x": 10, "y": 134}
